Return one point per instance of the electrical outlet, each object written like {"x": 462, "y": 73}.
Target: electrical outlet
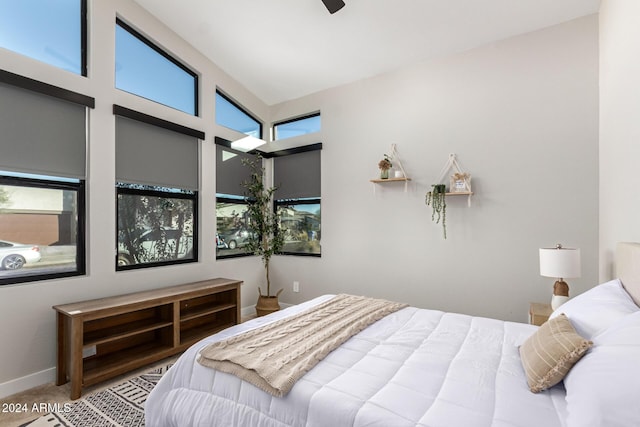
{"x": 296, "y": 286}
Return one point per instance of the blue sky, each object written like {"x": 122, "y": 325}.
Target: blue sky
{"x": 48, "y": 31}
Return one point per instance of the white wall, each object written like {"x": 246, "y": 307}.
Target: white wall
{"x": 28, "y": 334}
{"x": 619, "y": 128}
{"x": 522, "y": 116}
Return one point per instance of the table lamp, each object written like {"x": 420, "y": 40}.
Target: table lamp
{"x": 560, "y": 263}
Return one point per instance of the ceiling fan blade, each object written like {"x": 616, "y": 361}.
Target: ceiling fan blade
{"x": 333, "y": 5}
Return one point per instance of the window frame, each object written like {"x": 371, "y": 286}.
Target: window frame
{"x": 275, "y": 125}
{"x": 160, "y": 194}
{"x": 242, "y": 110}
{"x": 79, "y": 186}
{"x": 239, "y": 201}
{"x": 297, "y": 201}
{"x": 84, "y": 41}
{"x": 135, "y": 33}
{"x": 287, "y": 202}
{"x": 83, "y": 15}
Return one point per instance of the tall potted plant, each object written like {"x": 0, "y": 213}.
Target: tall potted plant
{"x": 262, "y": 223}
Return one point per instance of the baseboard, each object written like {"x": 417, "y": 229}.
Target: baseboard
{"x": 28, "y": 381}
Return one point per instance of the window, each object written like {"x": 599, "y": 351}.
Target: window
{"x": 297, "y": 199}
{"x": 232, "y": 235}
{"x": 156, "y": 226}
{"x": 296, "y": 127}
{"x": 145, "y": 70}
{"x": 232, "y": 116}
{"x": 41, "y": 228}
{"x": 300, "y": 222}
{"x": 53, "y": 32}
{"x": 42, "y": 188}
{"x": 157, "y": 173}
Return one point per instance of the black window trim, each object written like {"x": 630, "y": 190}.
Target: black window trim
{"x": 165, "y": 194}
{"x": 46, "y": 89}
{"x": 121, "y": 111}
{"x": 294, "y": 150}
{"x": 295, "y": 119}
{"x": 166, "y": 55}
{"x": 310, "y": 201}
{"x": 80, "y": 188}
{"x": 271, "y": 154}
{"x": 276, "y": 203}
{"x": 286, "y": 202}
{"x": 242, "y": 201}
{"x": 83, "y": 38}
{"x": 241, "y": 108}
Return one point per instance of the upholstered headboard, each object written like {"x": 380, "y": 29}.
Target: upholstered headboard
{"x": 628, "y": 268}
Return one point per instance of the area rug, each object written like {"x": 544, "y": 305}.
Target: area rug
{"x": 121, "y": 405}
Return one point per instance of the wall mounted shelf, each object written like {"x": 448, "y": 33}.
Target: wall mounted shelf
{"x": 389, "y": 180}
{"x": 396, "y": 158}
{"x": 383, "y": 181}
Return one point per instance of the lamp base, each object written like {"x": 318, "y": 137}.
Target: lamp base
{"x": 558, "y": 300}
{"x": 560, "y": 293}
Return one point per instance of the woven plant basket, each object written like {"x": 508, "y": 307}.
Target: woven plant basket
{"x": 267, "y": 304}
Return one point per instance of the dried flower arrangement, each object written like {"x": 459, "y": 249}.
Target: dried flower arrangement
{"x": 384, "y": 165}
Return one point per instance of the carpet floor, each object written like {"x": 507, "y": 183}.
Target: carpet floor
{"x": 120, "y": 405}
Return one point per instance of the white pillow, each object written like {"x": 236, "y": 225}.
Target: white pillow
{"x": 603, "y": 388}
{"x": 594, "y": 311}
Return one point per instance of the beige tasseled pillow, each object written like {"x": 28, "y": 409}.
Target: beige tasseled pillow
{"x": 550, "y": 352}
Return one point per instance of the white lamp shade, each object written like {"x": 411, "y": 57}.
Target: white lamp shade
{"x": 560, "y": 263}
{"x": 247, "y": 143}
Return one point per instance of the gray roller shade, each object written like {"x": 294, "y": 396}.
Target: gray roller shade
{"x": 297, "y": 176}
{"x": 148, "y": 154}
{"x": 41, "y": 134}
{"x": 230, "y": 172}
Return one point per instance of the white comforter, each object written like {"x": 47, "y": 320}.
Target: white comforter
{"x": 414, "y": 367}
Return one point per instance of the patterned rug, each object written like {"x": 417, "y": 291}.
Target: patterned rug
{"x": 121, "y": 405}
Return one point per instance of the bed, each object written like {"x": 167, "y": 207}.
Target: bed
{"x": 418, "y": 367}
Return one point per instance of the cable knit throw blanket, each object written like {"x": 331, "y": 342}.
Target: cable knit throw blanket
{"x": 273, "y": 357}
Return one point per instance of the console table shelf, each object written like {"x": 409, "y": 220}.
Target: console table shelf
{"x": 106, "y": 337}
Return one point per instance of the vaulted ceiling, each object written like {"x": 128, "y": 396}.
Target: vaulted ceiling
{"x": 285, "y": 49}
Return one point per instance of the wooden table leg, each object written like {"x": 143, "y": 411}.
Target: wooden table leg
{"x": 63, "y": 345}
{"x": 76, "y": 357}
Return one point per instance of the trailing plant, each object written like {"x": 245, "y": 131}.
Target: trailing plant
{"x": 262, "y": 222}
{"x": 437, "y": 200}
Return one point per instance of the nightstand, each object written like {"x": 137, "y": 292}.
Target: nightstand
{"x": 539, "y": 313}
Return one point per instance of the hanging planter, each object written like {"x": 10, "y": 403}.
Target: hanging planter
{"x": 436, "y": 198}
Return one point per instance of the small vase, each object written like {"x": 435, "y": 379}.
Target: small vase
{"x": 384, "y": 173}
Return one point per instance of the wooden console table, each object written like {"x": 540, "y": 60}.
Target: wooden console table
{"x": 102, "y": 338}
